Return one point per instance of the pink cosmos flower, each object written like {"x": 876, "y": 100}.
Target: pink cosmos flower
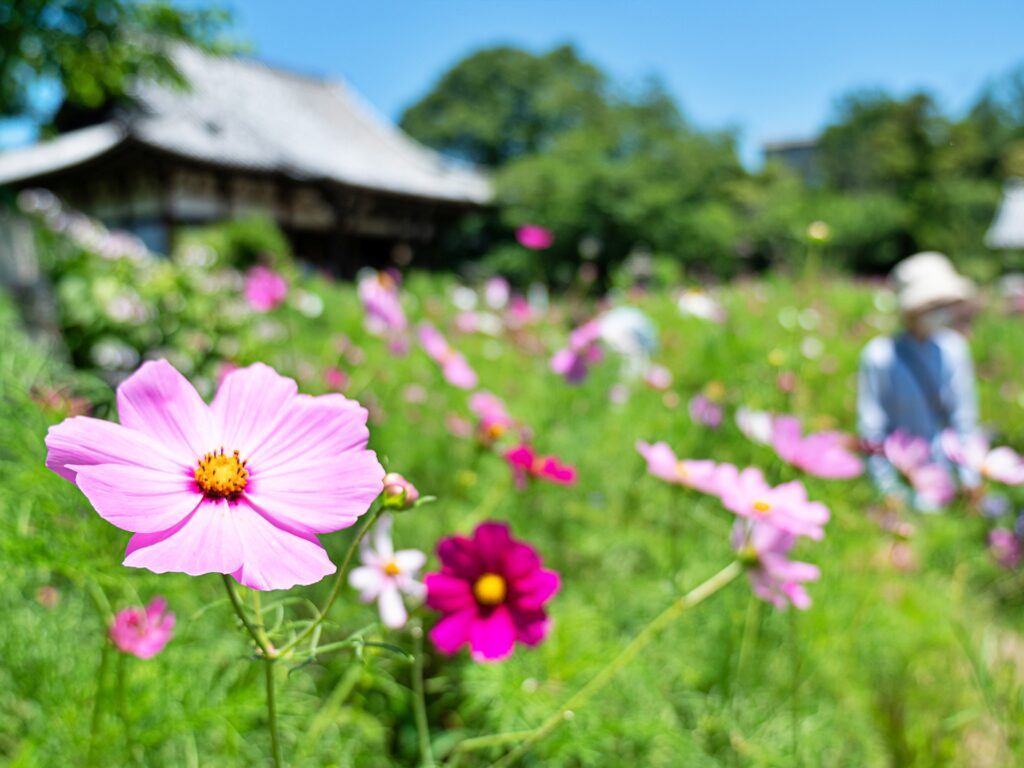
{"x": 785, "y": 506}
{"x": 520, "y": 312}
{"x": 658, "y": 377}
{"x": 378, "y": 292}
{"x": 496, "y": 292}
{"x": 661, "y": 461}
{"x": 335, "y": 378}
{"x": 1005, "y": 547}
{"x": 1002, "y": 465}
{"x": 265, "y": 289}
{"x": 912, "y": 456}
{"x": 773, "y": 576}
{"x": 757, "y": 426}
{"x": 143, "y": 632}
{"x": 454, "y": 367}
{"x": 574, "y": 361}
{"x": 705, "y": 412}
{"x": 493, "y": 417}
{"x": 525, "y": 463}
{"x": 386, "y": 574}
{"x": 906, "y": 452}
{"x": 241, "y": 487}
{"x": 933, "y": 484}
{"x": 822, "y": 454}
{"x": 535, "y": 238}
{"x": 491, "y": 591}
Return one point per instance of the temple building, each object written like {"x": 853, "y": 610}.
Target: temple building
{"x": 347, "y": 187}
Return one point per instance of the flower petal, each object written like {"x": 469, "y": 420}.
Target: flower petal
{"x": 248, "y": 404}
{"x": 207, "y": 541}
{"x": 492, "y": 539}
{"x": 81, "y": 441}
{"x": 273, "y": 558}
{"x": 492, "y": 638}
{"x": 367, "y": 580}
{"x": 531, "y": 592}
{"x": 453, "y": 631}
{"x": 448, "y": 594}
{"x": 138, "y": 499}
{"x": 392, "y": 609}
{"x": 158, "y": 401}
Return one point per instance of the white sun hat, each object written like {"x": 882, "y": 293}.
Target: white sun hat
{"x": 929, "y": 279}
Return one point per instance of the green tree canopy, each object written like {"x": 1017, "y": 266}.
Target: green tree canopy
{"x": 93, "y": 48}
{"x": 502, "y": 103}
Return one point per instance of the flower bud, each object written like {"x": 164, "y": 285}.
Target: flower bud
{"x": 399, "y": 494}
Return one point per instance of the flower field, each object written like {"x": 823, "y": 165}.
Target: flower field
{"x": 898, "y": 643}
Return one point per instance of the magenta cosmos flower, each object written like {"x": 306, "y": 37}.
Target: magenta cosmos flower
{"x": 242, "y": 486}
{"x": 491, "y": 591}
{"x": 454, "y": 367}
{"x": 822, "y": 454}
{"x": 785, "y": 506}
{"x": 776, "y": 579}
{"x": 535, "y": 238}
{"x": 1003, "y": 465}
{"x": 264, "y": 288}
{"x": 526, "y": 463}
{"x": 701, "y": 475}
{"x": 143, "y": 632}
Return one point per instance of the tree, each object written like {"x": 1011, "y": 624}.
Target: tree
{"x": 503, "y": 103}
{"x": 93, "y": 48}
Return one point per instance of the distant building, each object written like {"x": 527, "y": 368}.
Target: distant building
{"x": 800, "y": 156}
{"x": 347, "y": 187}
{"x": 1007, "y": 230}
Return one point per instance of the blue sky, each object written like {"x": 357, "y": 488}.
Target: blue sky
{"x": 770, "y": 69}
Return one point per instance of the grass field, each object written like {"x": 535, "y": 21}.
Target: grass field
{"x": 911, "y": 655}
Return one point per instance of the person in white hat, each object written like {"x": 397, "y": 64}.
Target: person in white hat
{"x": 921, "y": 381}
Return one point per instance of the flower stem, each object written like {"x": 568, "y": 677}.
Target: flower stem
{"x": 275, "y": 741}
{"x": 339, "y": 581}
{"x": 419, "y": 700}
{"x": 97, "y": 702}
{"x": 694, "y": 597}
{"x": 236, "y": 603}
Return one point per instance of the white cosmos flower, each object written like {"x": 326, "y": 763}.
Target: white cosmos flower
{"x": 385, "y": 574}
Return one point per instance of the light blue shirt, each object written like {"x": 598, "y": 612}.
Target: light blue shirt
{"x": 890, "y": 399}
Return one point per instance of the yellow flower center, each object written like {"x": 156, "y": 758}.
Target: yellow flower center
{"x": 762, "y": 507}
{"x": 489, "y": 589}
{"x": 222, "y": 475}
{"x": 681, "y": 472}
{"x": 495, "y": 431}
{"x": 391, "y": 569}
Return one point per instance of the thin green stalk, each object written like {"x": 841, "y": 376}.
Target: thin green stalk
{"x": 419, "y": 699}
{"x": 257, "y": 608}
{"x": 692, "y": 598}
{"x": 339, "y": 582}
{"x": 97, "y": 701}
{"x": 275, "y": 741}
{"x": 236, "y": 603}
{"x": 122, "y": 712}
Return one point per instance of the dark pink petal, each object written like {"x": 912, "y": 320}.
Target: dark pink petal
{"x": 138, "y": 499}
{"x": 248, "y": 404}
{"x": 531, "y": 626}
{"x": 458, "y": 555}
{"x": 325, "y": 496}
{"x": 520, "y": 560}
{"x": 82, "y": 440}
{"x": 492, "y": 638}
{"x": 533, "y": 591}
{"x": 453, "y": 631}
{"x": 158, "y": 401}
{"x": 276, "y": 559}
{"x": 491, "y": 539}
{"x": 448, "y": 594}
{"x": 205, "y": 542}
